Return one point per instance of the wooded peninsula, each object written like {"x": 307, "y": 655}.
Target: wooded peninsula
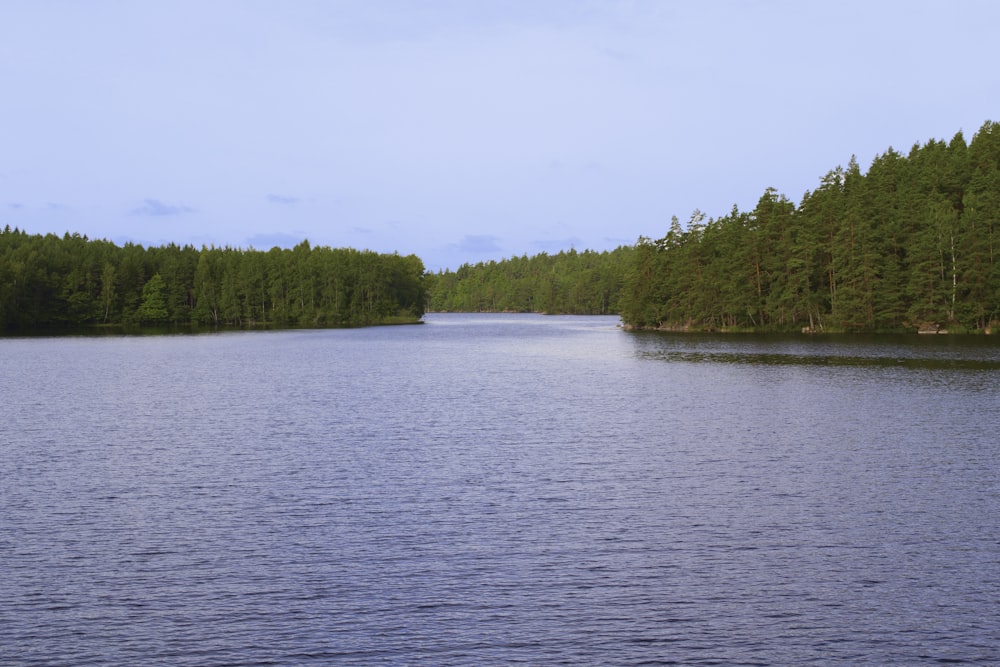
{"x": 908, "y": 245}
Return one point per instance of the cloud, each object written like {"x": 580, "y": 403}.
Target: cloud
{"x": 479, "y": 243}
{"x": 616, "y": 241}
{"x": 556, "y": 245}
{"x": 282, "y": 199}
{"x": 155, "y": 207}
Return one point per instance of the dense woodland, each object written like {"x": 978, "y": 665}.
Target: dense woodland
{"x": 571, "y": 282}
{"x": 50, "y": 282}
{"x": 911, "y": 244}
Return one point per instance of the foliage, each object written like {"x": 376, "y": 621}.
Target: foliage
{"x": 48, "y": 281}
{"x": 911, "y": 244}
{"x": 570, "y": 282}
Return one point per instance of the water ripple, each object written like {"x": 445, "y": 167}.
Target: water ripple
{"x": 483, "y": 490}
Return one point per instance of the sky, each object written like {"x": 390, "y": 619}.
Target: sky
{"x": 461, "y": 130}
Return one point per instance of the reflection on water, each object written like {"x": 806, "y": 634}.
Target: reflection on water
{"x": 915, "y": 352}
{"x": 495, "y": 489}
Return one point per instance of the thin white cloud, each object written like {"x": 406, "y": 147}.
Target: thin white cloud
{"x": 556, "y": 245}
{"x": 156, "y": 208}
{"x": 479, "y": 243}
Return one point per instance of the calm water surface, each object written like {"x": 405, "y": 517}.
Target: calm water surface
{"x": 499, "y": 490}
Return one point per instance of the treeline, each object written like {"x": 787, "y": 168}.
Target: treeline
{"x": 50, "y": 281}
{"x": 571, "y": 282}
{"x": 912, "y": 243}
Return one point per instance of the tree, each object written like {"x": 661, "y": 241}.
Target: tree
{"x": 153, "y": 309}
{"x": 108, "y": 291}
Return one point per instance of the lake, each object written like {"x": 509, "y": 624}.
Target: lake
{"x": 499, "y": 489}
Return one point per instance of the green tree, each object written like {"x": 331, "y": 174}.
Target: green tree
{"x": 153, "y": 309}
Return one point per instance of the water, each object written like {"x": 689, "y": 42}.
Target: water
{"x": 499, "y": 490}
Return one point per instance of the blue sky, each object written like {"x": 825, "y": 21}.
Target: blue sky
{"x": 461, "y": 130}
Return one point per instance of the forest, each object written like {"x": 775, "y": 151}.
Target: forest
{"x": 910, "y": 245}
{"x": 51, "y": 282}
{"x": 570, "y": 282}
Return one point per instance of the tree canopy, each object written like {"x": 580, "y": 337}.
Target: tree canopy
{"x": 51, "y": 281}
{"x": 569, "y": 282}
{"x": 912, "y": 243}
